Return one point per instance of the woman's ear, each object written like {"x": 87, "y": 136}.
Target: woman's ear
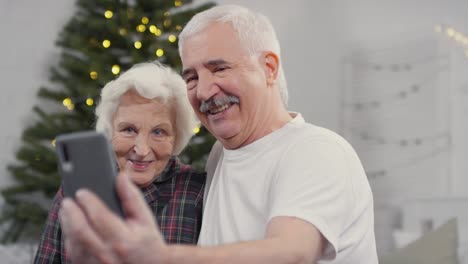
{"x": 271, "y": 67}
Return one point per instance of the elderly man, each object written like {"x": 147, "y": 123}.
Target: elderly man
{"x": 279, "y": 190}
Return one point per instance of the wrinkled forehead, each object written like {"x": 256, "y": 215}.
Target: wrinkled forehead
{"x": 132, "y": 98}
{"x": 136, "y": 109}
{"x": 215, "y": 41}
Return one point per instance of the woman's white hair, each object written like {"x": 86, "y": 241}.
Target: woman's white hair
{"x": 254, "y": 30}
{"x": 152, "y": 81}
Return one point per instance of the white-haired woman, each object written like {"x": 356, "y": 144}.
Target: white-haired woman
{"x": 146, "y": 116}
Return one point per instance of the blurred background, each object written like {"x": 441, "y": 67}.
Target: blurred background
{"x": 388, "y": 75}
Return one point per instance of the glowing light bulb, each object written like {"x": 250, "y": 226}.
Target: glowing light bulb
{"x": 106, "y": 43}
{"x": 141, "y": 28}
{"x": 158, "y": 32}
{"x": 93, "y": 75}
{"x": 137, "y": 44}
{"x": 159, "y": 52}
{"x": 153, "y": 29}
{"x": 450, "y": 32}
{"x": 172, "y": 38}
{"x": 115, "y": 69}
{"x": 89, "y": 101}
{"x": 458, "y": 37}
{"x": 108, "y": 14}
{"x": 196, "y": 130}
{"x": 177, "y": 3}
{"x": 67, "y": 101}
{"x": 144, "y": 20}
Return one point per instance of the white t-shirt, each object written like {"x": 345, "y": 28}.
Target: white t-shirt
{"x": 299, "y": 170}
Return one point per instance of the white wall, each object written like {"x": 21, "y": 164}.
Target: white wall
{"x": 29, "y": 30}
{"x": 374, "y": 24}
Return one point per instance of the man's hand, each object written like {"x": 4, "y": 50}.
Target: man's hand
{"x": 93, "y": 234}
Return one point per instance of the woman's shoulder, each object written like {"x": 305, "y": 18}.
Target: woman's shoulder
{"x": 190, "y": 175}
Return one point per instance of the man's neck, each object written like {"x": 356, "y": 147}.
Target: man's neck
{"x": 273, "y": 121}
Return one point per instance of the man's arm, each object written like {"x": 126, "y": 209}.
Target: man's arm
{"x": 288, "y": 240}
{"x": 92, "y": 228}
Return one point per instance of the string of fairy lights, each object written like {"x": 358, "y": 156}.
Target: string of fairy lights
{"x": 389, "y": 88}
{"x": 403, "y": 93}
{"x": 386, "y": 170}
{"x": 460, "y": 39}
{"x": 457, "y": 36}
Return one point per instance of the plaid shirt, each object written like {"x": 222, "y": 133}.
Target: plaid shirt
{"x": 175, "y": 197}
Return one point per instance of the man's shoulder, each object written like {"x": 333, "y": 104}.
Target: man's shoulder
{"x": 317, "y": 134}
{"x": 214, "y": 157}
{"x": 306, "y": 140}
{"x": 211, "y": 163}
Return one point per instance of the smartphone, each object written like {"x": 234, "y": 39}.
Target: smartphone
{"x": 86, "y": 160}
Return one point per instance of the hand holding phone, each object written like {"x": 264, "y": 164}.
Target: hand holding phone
{"x": 86, "y": 160}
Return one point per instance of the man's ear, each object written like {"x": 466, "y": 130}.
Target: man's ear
{"x": 271, "y": 66}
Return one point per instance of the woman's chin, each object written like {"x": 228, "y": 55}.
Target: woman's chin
{"x": 142, "y": 179}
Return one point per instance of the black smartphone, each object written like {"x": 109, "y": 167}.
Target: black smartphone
{"x": 86, "y": 160}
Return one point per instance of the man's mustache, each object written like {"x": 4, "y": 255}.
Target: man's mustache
{"x": 216, "y": 102}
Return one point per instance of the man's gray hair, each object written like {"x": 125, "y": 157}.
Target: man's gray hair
{"x": 152, "y": 81}
{"x": 254, "y": 30}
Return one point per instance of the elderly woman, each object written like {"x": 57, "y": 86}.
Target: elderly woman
{"x": 146, "y": 115}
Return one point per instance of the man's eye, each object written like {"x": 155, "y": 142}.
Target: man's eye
{"x": 191, "y": 82}
{"x": 190, "y": 78}
{"x": 220, "y": 68}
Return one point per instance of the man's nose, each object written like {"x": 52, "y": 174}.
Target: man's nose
{"x": 141, "y": 147}
{"x": 206, "y": 87}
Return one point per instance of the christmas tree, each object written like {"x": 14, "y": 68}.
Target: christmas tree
{"x": 102, "y": 39}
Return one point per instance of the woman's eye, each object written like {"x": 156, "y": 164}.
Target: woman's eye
{"x": 158, "y": 132}
{"x": 128, "y": 130}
